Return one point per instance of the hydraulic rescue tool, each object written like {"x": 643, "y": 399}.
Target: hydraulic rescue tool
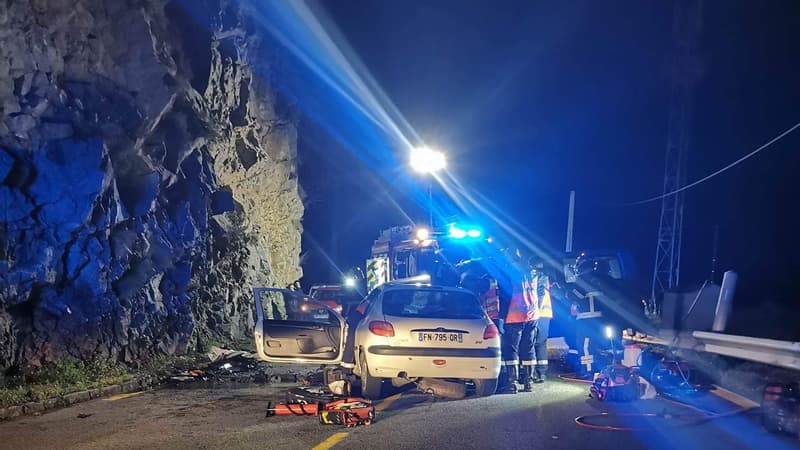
{"x": 348, "y": 412}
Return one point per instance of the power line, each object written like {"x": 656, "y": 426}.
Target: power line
{"x": 713, "y": 174}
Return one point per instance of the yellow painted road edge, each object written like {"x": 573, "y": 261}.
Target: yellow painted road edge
{"x": 122, "y": 396}
{"x": 336, "y": 438}
{"x": 331, "y": 441}
{"x": 736, "y": 399}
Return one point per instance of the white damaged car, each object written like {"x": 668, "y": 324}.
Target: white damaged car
{"x": 402, "y": 331}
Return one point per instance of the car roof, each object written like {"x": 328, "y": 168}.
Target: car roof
{"x": 417, "y": 286}
{"x": 327, "y": 286}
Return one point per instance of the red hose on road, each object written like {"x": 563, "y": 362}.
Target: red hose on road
{"x": 572, "y": 377}
{"x": 704, "y": 416}
{"x": 581, "y": 422}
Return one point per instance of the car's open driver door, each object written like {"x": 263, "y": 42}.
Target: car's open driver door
{"x": 290, "y": 328}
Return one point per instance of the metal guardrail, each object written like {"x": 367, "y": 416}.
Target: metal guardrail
{"x": 767, "y": 351}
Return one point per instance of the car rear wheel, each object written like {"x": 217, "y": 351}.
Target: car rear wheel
{"x": 485, "y": 388}
{"x": 370, "y": 386}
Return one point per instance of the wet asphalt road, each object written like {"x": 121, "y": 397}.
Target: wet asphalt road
{"x": 232, "y": 416}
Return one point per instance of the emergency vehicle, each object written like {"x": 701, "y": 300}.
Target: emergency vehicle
{"x": 406, "y": 252}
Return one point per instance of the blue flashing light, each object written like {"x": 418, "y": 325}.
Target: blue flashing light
{"x": 457, "y": 231}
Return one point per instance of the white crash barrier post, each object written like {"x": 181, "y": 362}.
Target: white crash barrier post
{"x": 726, "y": 292}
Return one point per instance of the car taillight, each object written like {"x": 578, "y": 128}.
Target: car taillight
{"x": 491, "y": 331}
{"x": 381, "y": 328}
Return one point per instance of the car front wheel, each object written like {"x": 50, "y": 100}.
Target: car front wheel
{"x": 485, "y": 388}
{"x": 370, "y": 386}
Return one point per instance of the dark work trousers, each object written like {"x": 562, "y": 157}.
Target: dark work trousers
{"x": 517, "y": 343}
{"x": 541, "y": 332}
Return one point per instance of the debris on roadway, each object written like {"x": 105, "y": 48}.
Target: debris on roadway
{"x": 240, "y": 367}
{"x": 442, "y": 388}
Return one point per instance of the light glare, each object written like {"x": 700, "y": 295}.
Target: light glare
{"x": 426, "y": 160}
{"x": 423, "y": 234}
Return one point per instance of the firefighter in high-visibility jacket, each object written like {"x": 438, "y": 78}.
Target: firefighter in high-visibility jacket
{"x": 490, "y": 300}
{"x": 540, "y": 284}
{"x": 485, "y": 287}
{"x": 517, "y": 325}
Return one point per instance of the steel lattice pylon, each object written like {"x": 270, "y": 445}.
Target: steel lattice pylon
{"x": 687, "y": 23}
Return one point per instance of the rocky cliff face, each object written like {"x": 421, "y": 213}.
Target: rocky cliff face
{"x": 148, "y": 178}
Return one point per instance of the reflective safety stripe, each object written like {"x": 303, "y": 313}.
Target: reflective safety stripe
{"x": 377, "y": 272}
{"x": 527, "y": 363}
{"x": 509, "y": 363}
{"x": 542, "y": 362}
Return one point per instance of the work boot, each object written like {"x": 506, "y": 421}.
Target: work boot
{"x": 528, "y": 374}
{"x": 510, "y": 386}
{"x": 541, "y": 371}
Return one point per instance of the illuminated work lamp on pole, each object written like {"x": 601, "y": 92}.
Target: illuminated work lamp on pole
{"x": 427, "y": 161}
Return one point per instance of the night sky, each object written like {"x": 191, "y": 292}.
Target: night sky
{"x": 531, "y": 99}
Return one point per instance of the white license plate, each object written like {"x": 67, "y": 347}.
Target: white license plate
{"x": 432, "y": 336}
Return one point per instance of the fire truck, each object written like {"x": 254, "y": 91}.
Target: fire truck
{"x": 408, "y": 253}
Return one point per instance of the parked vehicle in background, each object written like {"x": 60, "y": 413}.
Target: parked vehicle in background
{"x": 337, "y": 297}
{"x": 407, "y": 332}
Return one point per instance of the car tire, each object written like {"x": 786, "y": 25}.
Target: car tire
{"x": 485, "y": 387}
{"x": 370, "y": 386}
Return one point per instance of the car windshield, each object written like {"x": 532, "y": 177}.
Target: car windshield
{"x": 431, "y": 304}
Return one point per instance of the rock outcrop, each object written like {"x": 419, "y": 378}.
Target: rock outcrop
{"x": 147, "y": 178}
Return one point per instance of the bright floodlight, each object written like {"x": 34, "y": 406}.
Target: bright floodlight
{"x": 609, "y": 332}
{"x": 349, "y": 282}
{"x": 425, "y": 160}
{"x": 423, "y": 234}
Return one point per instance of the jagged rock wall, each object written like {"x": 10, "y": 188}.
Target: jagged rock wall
{"x": 148, "y": 178}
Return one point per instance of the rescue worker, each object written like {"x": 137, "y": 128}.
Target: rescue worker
{"x": 540, "y": 284}
{"x": 485, "y": 287}
{"x": 490, "y": 300}
{"x": 517, "y": 325}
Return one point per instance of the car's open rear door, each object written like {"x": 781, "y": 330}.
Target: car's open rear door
{"x": 290, "y": 328}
